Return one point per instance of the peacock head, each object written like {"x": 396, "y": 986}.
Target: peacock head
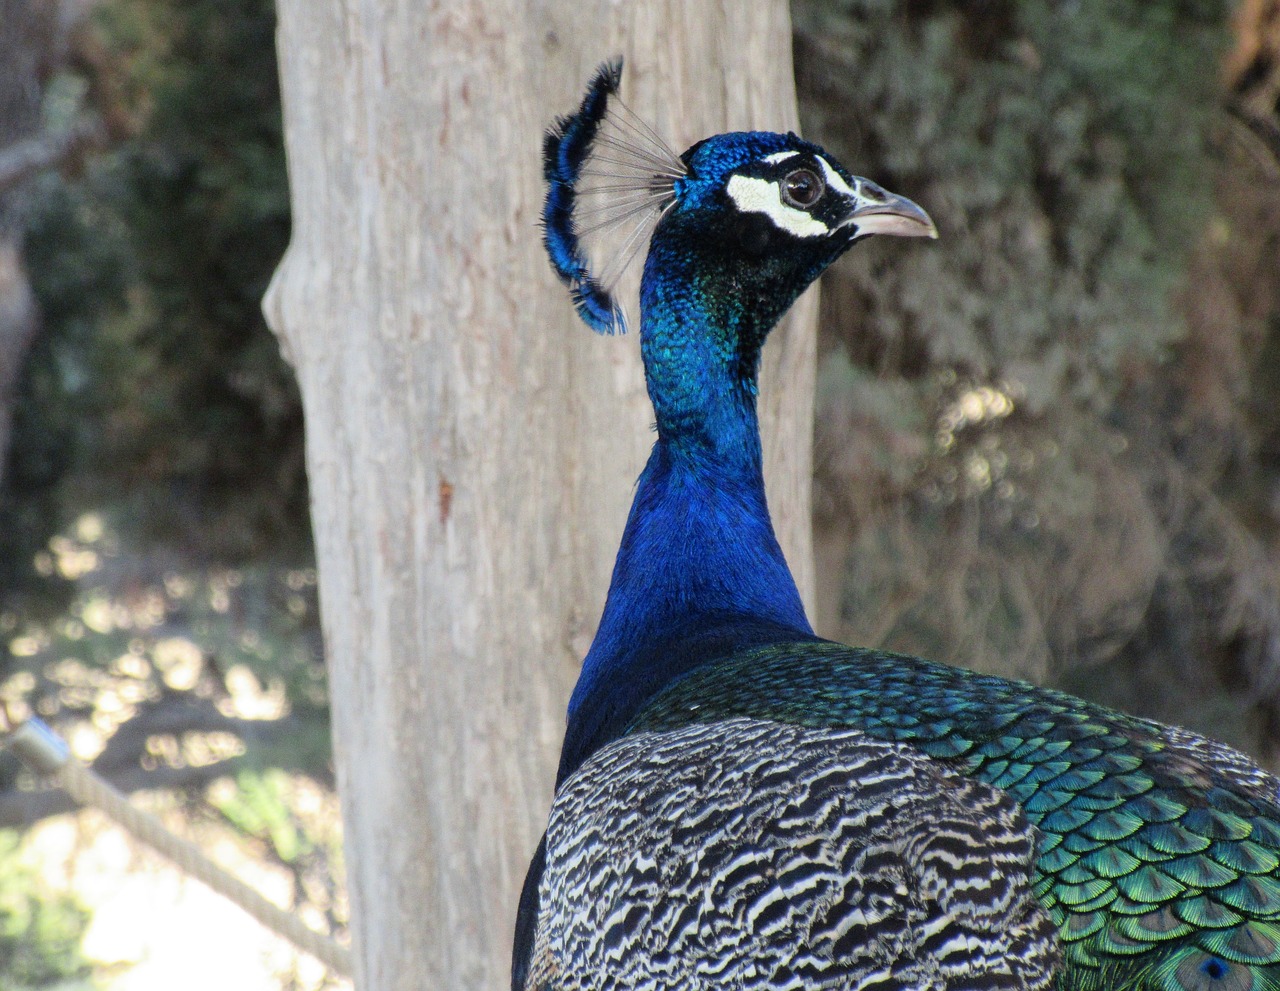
{"x": 758, "y": 216}
{"x": 784, "y": 191}
{"x": 747, "y": 219}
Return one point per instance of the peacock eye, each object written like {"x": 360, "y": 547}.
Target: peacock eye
{"x": 802, "y": 188}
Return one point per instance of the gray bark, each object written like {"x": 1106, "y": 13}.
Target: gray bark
{"x": 471, "y": 446}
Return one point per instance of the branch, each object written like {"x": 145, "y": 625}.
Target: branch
{"x": 21, "y": 809}
{"x": 1265, "y": 130}
{"x": 175, "y": 713}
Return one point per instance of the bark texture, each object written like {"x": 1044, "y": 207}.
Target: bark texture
{"x": 471, "y": 447}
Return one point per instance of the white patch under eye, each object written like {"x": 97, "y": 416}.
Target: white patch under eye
{"x": 834, "y": 179}
{"x": 779, "y": 156}
{"x": 752, "y": 195}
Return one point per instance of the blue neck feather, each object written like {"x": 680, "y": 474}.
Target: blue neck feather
{"x": 699, "y": 569}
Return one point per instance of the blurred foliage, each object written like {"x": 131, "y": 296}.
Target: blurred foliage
{"x": 296, "y": 825}
{"x": 1063, "y": 150}
{"x": 155, "y": 392}
{"x": 1012, "y": 470}
{"x": 159, "y": 671}
{"x": 206, "y": 684}
{"x": 40, "y": 931}
{"x": 157, "y": 592}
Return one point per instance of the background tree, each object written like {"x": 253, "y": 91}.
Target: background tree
{"x": 157, "y": 391}
{"x": 155, "y": 488}
{"x": 470, "y": 446}
{"x": 157, "y": 598}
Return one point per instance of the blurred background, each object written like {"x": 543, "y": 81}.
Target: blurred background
{"x": 1049, "y": 448}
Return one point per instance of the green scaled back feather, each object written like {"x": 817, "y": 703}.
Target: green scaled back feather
{"x": 1157, "y": 854}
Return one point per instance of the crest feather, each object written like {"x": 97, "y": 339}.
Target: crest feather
{"x": 609, "y": 178}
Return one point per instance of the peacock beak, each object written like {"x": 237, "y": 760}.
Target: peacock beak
{"x": 877, "y": 211}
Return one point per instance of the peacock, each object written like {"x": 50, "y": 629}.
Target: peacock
{"x": 742, "y": 804}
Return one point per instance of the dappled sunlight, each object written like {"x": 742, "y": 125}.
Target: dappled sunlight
{"x": 152, "y": 928}
{"x": 248, "y": 699}
{"x": 972, "y": 456}
{"x": 178, "y": 660}
{"x": 114, "y": 650}
{"x": 198, "y": 680}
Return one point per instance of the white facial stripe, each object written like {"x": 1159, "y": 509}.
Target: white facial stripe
{"x": 779, "y": 156}
{"x": 834, "y": 179}
{"x": 753, "y": 195}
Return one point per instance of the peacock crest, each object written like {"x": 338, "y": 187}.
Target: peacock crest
{"x": 610, "y": 178}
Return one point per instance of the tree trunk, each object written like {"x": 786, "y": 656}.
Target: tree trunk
{"x": 471, "y": 447}
{"x": 28, "y": 40}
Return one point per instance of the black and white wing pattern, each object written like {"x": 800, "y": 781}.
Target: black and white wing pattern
{"x": 750, "y": 854}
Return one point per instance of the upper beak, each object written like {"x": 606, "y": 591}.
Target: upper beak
{"x": 876, "y": 211}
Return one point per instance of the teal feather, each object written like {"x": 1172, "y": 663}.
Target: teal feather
{"x": 1114, "y": 861}
{"x": 1148, "y": 883}
{"x": 1156, "y": 862}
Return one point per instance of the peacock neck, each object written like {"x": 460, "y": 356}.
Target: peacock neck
{"x": 698, "y": 543}
{"x": 698, "y": 552}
